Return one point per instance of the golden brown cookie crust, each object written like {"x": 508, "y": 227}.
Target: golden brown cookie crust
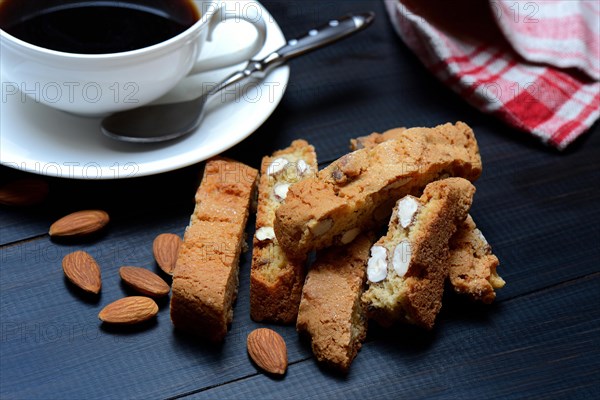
{"x": 374, "y": 139}
{"x": 205, "y": 279}
{"x": 359, "y": 190}
{"x": 331, "y": 311}
{"x": 472, "y": 264}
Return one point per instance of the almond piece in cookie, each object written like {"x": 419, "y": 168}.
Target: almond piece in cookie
{"x": 408, "y": 266}
{"x": 276, "y": 280}
{"x": 472, "y": 264}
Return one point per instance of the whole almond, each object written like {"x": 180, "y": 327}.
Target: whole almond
{"x": 144, "y": 281}
{"x": 165, "y": 248}
{"x": 79, "y": 223}
{"x": 268, "y": 350}
{"x": 83, "y": 271}
{"x": 24, "y": 192}
{"x": 129, "y": 310}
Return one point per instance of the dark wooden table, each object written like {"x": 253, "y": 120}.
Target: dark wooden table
{"x": 538, "y": 208}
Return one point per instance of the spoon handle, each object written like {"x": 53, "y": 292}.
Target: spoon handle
{"x": 323, "y": 35}
{"x": 316, "y": 38}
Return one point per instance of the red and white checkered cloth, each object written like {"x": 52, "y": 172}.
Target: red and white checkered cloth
{"x": 535, "y": 64}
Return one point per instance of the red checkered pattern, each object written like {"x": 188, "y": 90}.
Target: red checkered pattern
{"x": 534, "y": 64}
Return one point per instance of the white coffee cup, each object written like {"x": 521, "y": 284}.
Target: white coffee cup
{"x": 100, "y": 84}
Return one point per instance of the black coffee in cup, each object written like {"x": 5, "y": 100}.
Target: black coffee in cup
{"x": 96, "y": 27}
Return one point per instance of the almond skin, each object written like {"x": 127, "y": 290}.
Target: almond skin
{"x": 129, "y": 310}
{"x": 83, "y": 271}
{"x": 79, "y": 223}
{"x": 24, "y": 192}
{"x": 166, "y": 248}
{"x": 268, "y": 350}
{"x": 144, "y": 281}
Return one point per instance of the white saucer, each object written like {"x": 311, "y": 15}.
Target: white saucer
{"x": 41, "y": 140}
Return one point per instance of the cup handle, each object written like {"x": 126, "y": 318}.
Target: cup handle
{"x": 238, "y": 56}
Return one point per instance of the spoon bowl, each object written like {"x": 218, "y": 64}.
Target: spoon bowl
{"x": 155, "y": 123}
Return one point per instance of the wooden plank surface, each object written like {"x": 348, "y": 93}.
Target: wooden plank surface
{"x": 473, "y": 353}
{"x": 537, "y": 207}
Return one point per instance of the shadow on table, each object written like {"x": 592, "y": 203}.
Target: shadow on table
{"x": 457, "y": 312}
{"x": 161, "y": 302}
{"x": 406, "y": 339}
{"x": 123, "y": 330}
{"x": 191, "y": 344}
{"x": 79, "y": 294}
{"x": 462, "y": 310}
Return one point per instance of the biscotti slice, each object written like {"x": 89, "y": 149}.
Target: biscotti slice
{"x": 372, "y": 140}
{"x": 205, "y": 279}
{"x": 357, "y": 192}
{"x": 472, "y": 264}
{"x": 407, "y": 267}
{"x": 276, "y": 281}
{"x": 331, "y": 311}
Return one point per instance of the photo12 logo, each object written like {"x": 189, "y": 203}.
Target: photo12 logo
{"x": 44, "y": 332}
{"x": 74, "y": 169}
{"x": 71, "y": 92}
{"x": 518, "y": 11}
{"x": 236, "y": 10}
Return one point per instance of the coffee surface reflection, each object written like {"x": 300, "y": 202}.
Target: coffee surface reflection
{"x": 96, "y": 27}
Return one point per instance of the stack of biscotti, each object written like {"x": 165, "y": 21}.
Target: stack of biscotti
{"x": 331, "y": 311}
{"x": 205, "y": 279}
{"x": 408, "y": 266}
{"x": 472, "y": 266}
{"x": 276, "y": 280}
{"x": 357, "y": 192}
{"x": 417, "y": 180}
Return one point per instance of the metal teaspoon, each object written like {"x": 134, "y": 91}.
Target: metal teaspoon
{"x": 162, "y": 122}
